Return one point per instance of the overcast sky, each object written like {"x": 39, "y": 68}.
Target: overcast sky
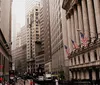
{"x": 18, "y": 9}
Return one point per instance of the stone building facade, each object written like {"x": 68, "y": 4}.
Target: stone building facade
{"x": 5, "y": 38}
{"x": 47, "y": 37}
{"x": 83, "y": 16}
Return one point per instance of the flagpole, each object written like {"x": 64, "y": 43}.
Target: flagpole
{"x": 79, "y": 30}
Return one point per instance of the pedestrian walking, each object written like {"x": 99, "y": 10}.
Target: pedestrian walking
{"x": 24, "y": 82}
{"x": 56, "y": 81}
{"x": 31, "y": 83}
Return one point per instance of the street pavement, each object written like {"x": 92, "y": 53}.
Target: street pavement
{"x": 21, "y": 82}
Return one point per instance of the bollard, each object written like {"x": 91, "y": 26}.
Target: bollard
{"x": 56, "y": 82}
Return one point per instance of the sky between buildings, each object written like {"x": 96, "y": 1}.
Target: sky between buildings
{"x": 18, "y": 10}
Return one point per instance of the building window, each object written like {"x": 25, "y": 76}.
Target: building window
{"x": 36, "y": 13}
{"x": 36, "y": 9}
{"x": 36, "y": 17}
{"x": 36, "y": 24}
{"x": 95, "y": 55}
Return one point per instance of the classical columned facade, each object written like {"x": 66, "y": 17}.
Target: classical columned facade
{"x": 83, "y": 16}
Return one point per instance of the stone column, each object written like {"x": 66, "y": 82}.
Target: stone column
{"x": 80, "y": 17}
{"x": 69, "y": 33}
{"x": 91, "y": 20}
{"x": 92, "y": 56}
{"x": 85, "y": 19}
{"x": 97, "y": 15}
{"x": 73, "y": 27}
{"x": 76, "y": 26}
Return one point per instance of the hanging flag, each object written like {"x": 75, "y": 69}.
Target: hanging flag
{"x": 84, "y": 39}
{"x": 75, "y": 45}
{"x": 67, "y": 50}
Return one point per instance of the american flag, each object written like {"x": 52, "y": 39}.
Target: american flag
{"x": 67, "y": 50}
{"x": 84, "y": 39}
{"x": 75, "y": 45}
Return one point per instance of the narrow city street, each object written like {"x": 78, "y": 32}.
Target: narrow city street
{"x": 49, "y": 42}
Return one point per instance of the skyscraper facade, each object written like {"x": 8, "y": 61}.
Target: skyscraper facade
{"x": 47, "y": 38}
{"x": 39, "y": 60}
{"x": 83, "y": 16}
{"x": 19, "y": 53}
{"x": 56, "y": 29}
{"x": 23, "y": 35}
{"x": 33, "y": 35}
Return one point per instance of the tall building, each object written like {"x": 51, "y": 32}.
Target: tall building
{"x": 29, "y": 4}
{"x": 83, "y": 16}
{"x": 19, "y": 59}
{"x": 33, "y": 35}
{"x": 5, "y": 38}
{"x": 57, "y": 26}
{"x": 42, "y": 28}
{"x": 14, "y": 32}
{"x": 18, "y": 40}
{"x": 19, "y": 53}
{"x": 23, "y": 35}
{"x": 39, "y": 60}
{"x": 47, "y": 38}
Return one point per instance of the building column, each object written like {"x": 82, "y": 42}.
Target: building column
{"x": 78, "y": 77}
{"x": 97, "y": 15}
{"x": 85, "y": 19}
{"x": 73, "y": 27}
{"x": 82, "y": 75}
{"x": 93, "y": 75}
{"x": 86, "y": 56}
{"x": 76, "y": 25}
{"x": 69, "y": 33}
{"x": 91, "y": 20}
{"x": 92, "y": 56}
{"x": 80, "y": 17}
